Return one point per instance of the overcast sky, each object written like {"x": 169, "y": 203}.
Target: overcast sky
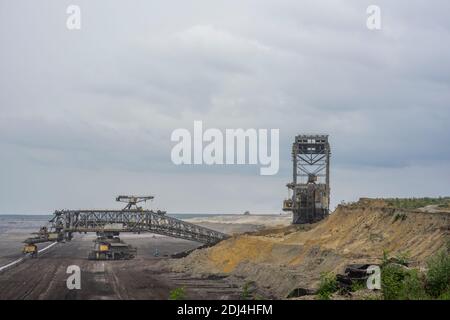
{"x": 87, "y": 114}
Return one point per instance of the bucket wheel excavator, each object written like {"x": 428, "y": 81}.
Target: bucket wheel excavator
{"x": 108, "y": 224}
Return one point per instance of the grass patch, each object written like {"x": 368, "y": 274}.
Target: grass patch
{"x": 401, "y": 258}
{"x": 177, "y": 294}
{"x": 246, "y": 291}
{"x": 328, "y": 286}
{"x": 358, "y": 285}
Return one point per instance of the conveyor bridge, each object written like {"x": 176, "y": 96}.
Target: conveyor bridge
{"x": 131, "y": 219}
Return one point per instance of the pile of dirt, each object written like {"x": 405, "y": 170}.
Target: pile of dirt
{"x": 237, "y": 224}
{"x": 281, "y": 260}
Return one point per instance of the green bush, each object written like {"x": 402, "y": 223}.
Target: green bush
{"x": 328, "y": 285}
{"x": 385, "y": 258}
{"x": 401, "y": 258}
{"x": 400, "y": 216}
{"x": 400, "y": 283}
{"x": 444, "y": 296}
{"x": 246, "y": 291}
{"x": 438, "y": 275}
{"x": 392, "y": 277}
{"x": 413, "y": 287}
{"x": 177, "y": 294}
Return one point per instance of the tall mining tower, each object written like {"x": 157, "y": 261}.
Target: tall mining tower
{"x": 310, "y": 201}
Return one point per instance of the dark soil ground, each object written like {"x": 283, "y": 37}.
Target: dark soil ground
{"x": 141, "y": 278}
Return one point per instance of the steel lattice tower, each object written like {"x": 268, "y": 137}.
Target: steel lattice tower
{"x": 310, "y": 201}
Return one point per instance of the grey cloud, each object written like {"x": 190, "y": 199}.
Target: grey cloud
{"x": 107, "y": 97}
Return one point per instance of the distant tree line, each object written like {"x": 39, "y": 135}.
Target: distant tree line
{"x": 415, "y": 203}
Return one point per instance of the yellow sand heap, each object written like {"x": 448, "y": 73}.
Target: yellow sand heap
{"x": 358, "y": 232}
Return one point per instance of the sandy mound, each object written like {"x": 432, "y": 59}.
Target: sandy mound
{"x": 235, "y": 224}
{"x": 282, "y": 259}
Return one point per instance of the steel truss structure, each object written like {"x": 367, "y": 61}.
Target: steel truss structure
{"x": 66, "y": 222}
{"x": 310, "y": 187}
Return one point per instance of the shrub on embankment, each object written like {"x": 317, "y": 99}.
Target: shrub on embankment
{"x": 401, "y": 283}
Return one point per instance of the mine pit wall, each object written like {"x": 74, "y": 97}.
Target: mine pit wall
{"x": 358, "y": 233}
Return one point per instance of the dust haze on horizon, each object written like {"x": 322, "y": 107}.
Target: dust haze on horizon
{"x": 87, "y": 114}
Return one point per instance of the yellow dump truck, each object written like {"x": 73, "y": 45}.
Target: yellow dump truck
{"x": 112, "y": 249}
{"x": 30, "y": 248}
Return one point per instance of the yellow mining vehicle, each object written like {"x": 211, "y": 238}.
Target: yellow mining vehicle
{"x": 31, "y": 249}
{"x": 110, "y": 247}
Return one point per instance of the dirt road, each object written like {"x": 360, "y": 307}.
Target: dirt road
{"x": 141, "y": 278}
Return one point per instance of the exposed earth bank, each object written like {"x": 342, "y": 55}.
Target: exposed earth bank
{"x": 276, "y": 261}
